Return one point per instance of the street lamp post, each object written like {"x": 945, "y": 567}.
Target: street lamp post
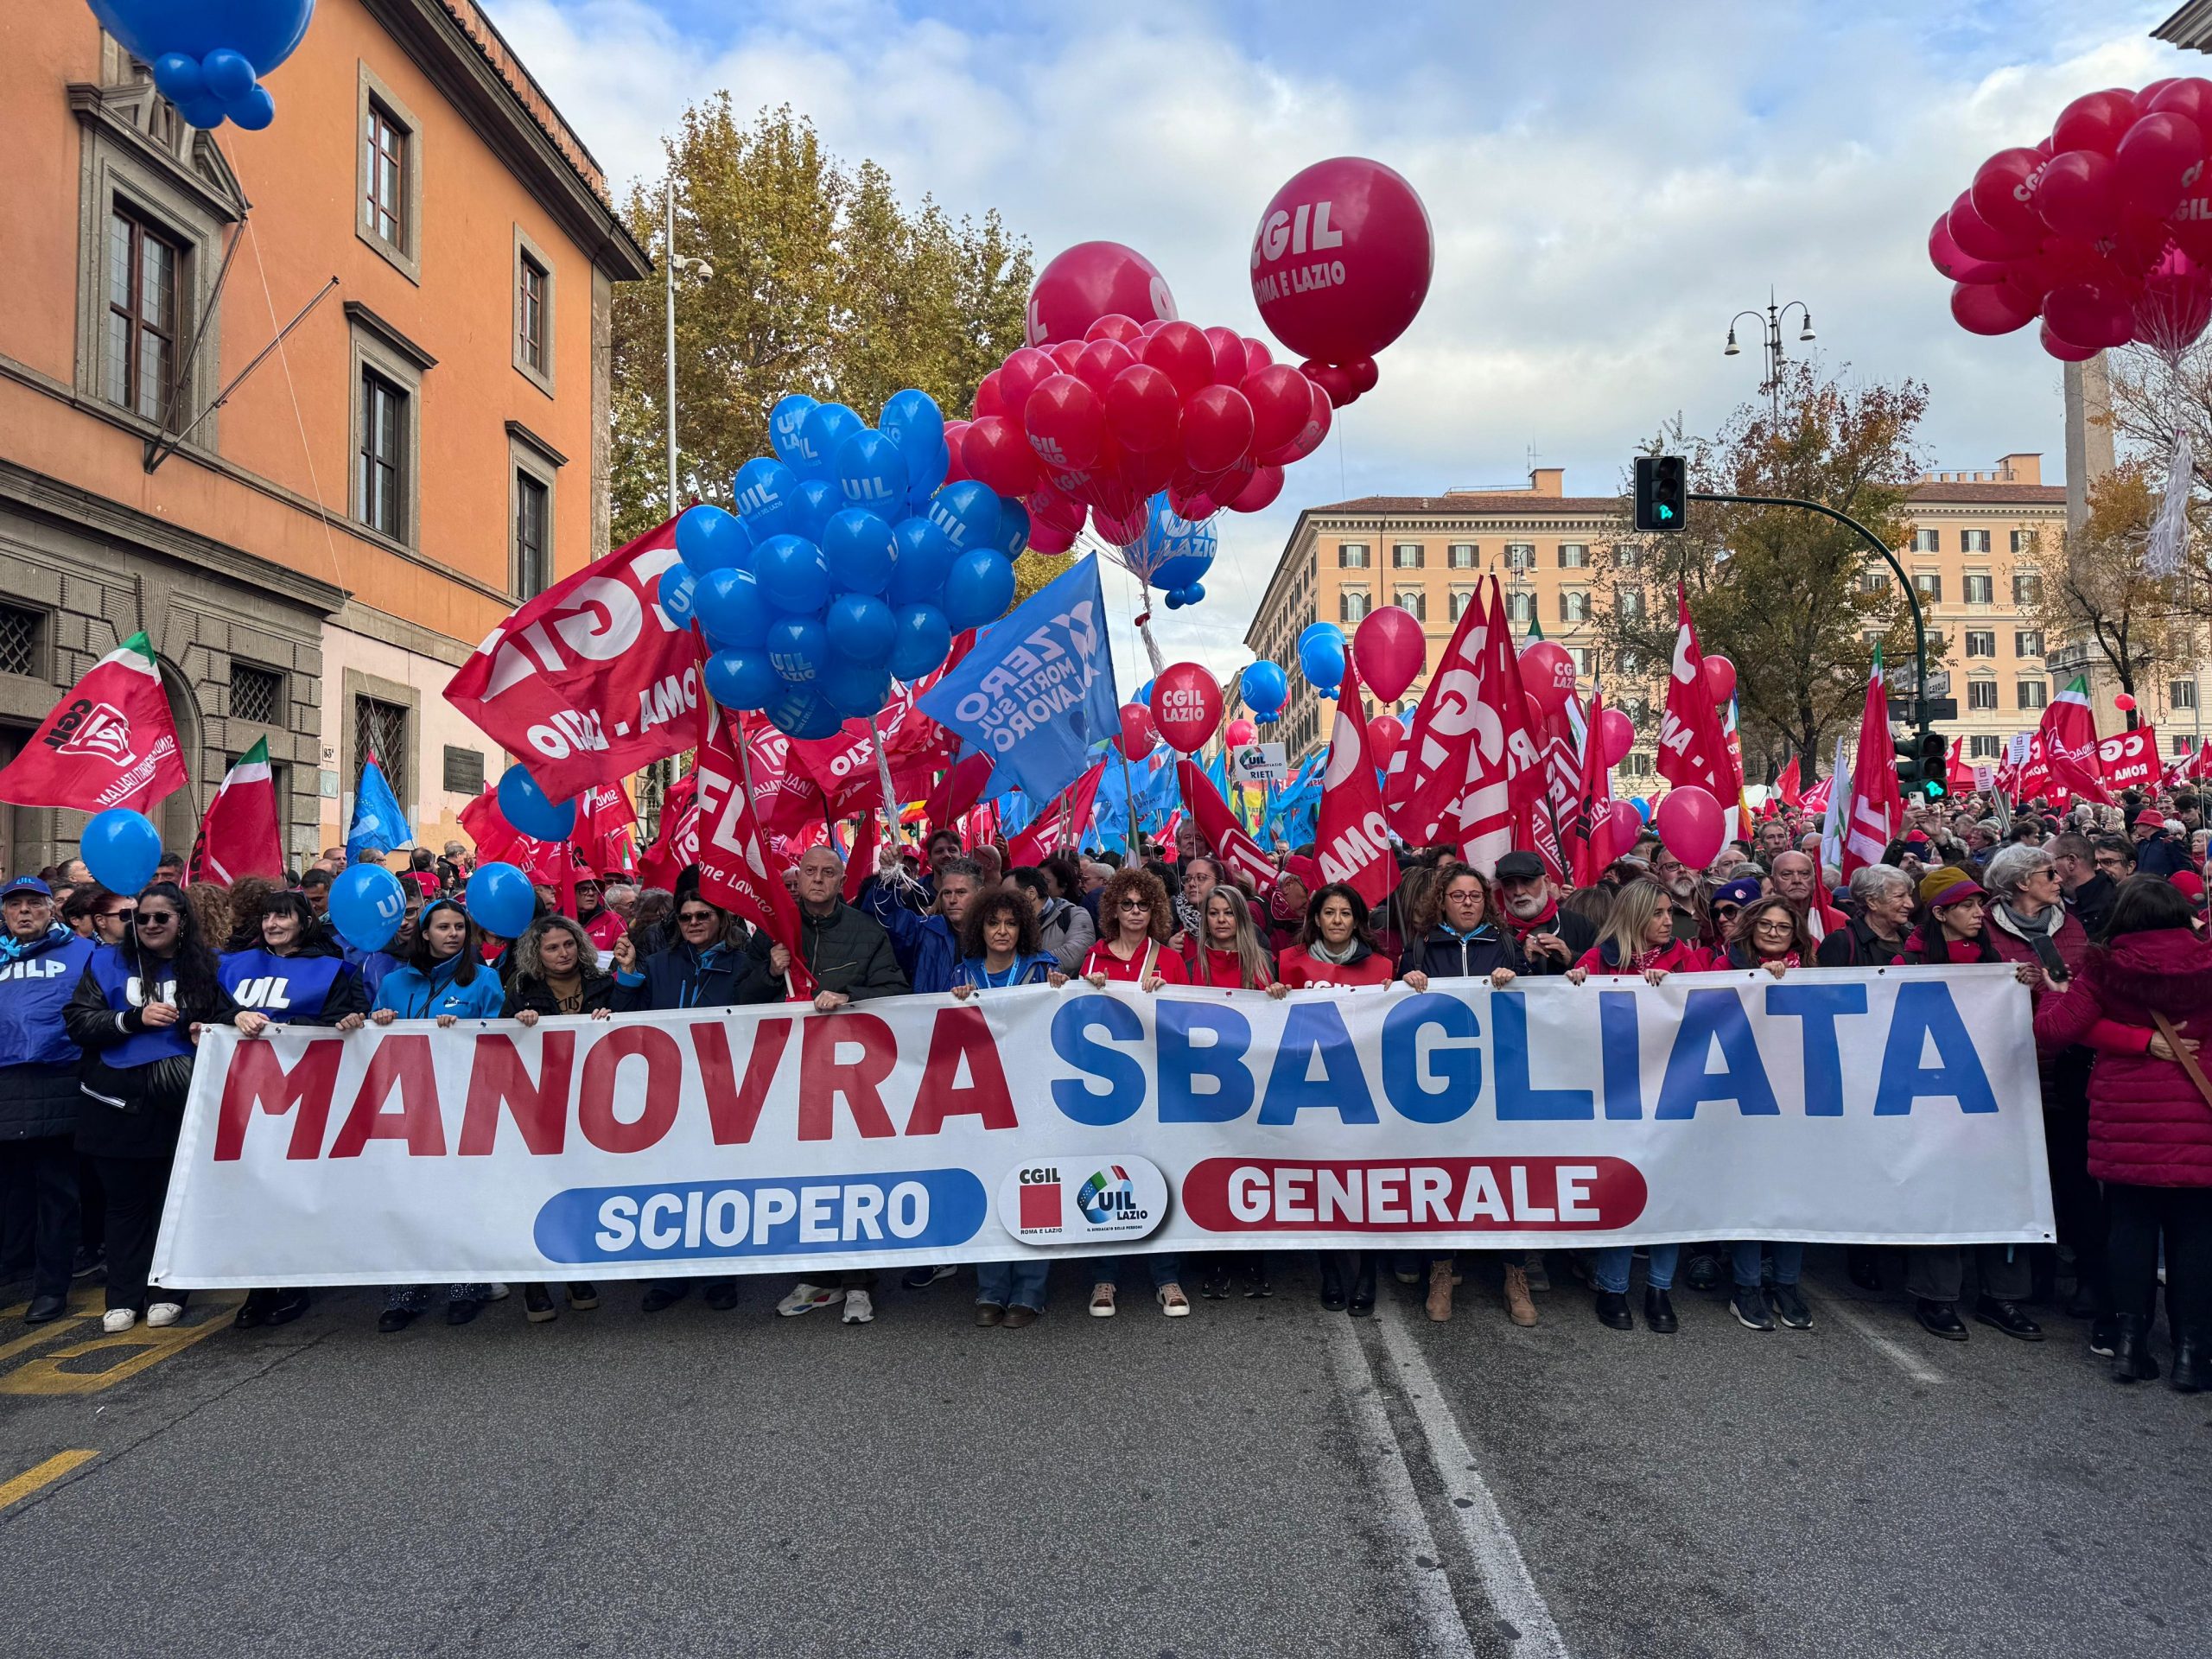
{"x": 1771, "y": 322}
{"x": 675, "y": 264}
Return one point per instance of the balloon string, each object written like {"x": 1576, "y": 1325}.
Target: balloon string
{"x": 883, "y": 776}
{"x": 1144, "y": 628}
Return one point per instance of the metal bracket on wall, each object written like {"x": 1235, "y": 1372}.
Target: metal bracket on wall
{"x": 160, "y": 449}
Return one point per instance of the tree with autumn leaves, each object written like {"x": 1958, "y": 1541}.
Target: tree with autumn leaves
{"x": 2095, "y": 591}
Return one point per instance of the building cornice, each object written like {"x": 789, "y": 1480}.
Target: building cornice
{"x": 364, "y": 317}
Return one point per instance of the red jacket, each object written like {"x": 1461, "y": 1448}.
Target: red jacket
{"x": 1296, "y": 969}
{"x": 1676, "y": 958}
{"x": 2148, "y": 1124}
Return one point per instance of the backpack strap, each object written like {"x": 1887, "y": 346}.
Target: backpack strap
{"x": 2165, "y": 1028}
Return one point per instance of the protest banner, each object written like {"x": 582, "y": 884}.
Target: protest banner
{"x": 1077, "y": 1121}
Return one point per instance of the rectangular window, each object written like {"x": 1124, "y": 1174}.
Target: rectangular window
{"x": 1923, "y": 541}
{"x": 1521, "y": 609}
{"x": 1460, "y": 598}
{"x": 1872, "y": 581}
{"x": 1405, "y": 555}
{"x": 533, "y": 537}
{"x": 1351, "y": 556}
{"x": 2034, "y": 694}
{"x": 1462, "y": 556}
{"x": 22, "y": 638}
{"x": 530, "y": 314}
{"x": 1627, "y": 556}
{"x": 1973, "y": 541}
{"x": 1981, "y": 694}
{"x": 380, "y": 729}
{"x": 1352, "y": 605}
{"x": 1574, "y": 605}
{"x": 1413, "y": 601}
{"x": 2027, "y": 588}
{"x": 1627, "y": 663}
{"x": 2182, "y": 694}
{"x": 2023, "y": 540}
{"x": 2182, "y": 743}
{"x": 384, "y": 427}
{"x": 1629, "y": 603}
{"x": 1573, "y": 556}
{"x": 2027, "y": 642}
{"x": 464, "y": 771}
{"x": 1635, "y": 765}
{"x": 1581, "y": 655}
{"x": 138, "y": 354}
{"x": 1984, "y": 745}
{"x": 384, "y": 203}
{"x": 1981, "y": 642}
{"x": 257, "y": 694}
{"x": 1978, "y": 589}
{"x": 1928, "y": 584}
{"x": 1520, "y": 555}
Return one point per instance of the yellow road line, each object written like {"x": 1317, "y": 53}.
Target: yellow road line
{"x": 142, "y": 1345}
{"x": 45, "y": 1474}
{"x": 38, "y": 1335}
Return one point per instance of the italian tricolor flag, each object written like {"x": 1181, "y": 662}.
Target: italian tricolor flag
{"x": 2070, "y": 743}
{"x": 240, "y": 835}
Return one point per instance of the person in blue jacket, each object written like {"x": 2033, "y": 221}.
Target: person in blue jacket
{"x": 446, "y": 979}
{"x": 927, "y": 947}
{"x": 297, "y": 977}
{"x": 41, "y": 961}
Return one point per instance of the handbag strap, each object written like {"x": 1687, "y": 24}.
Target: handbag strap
{"x": 2165, "y": 1028}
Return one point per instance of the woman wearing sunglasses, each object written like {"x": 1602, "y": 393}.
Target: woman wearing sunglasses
{"x": 1727, "y": 904}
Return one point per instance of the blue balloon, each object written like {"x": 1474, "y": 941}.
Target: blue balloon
{"x": 202, "y": 112}
{"x": 731, "y": 609}
{"x": 826, "y": 425}
{"x": 817, "y": 505}
{"x": 1013, "y": 528}
{"x": 499, "y": 899}
{"x": 262, "y": 32}
{"x": 783, "y": 422}
{"x": 1266, "y": 689}
{"x": 967, "y": 514}
{"x": 1144, "y": 694}
{"x": 924, "y": 637}
{"x": 743, "y": 679}
{"x": 1182, "y": 572}
{"x": 856, "y": 689}
{"x": 366, "y": 905}
{"x": 767, "y": 498}
{"x": 802, "y": 715}
{"x": 229, "y": 77}
{"x": 1643, "y": 807}
{"x": 871, "y": 472}
{"x": 120, "y": 847}
{"x": 1321, "y": 658}
{"x": 978, "y": 588}
{"x": 707, "y": 538}
{"x": 527, "y": 807}
{"x": 911, "y": 420}
{"x": 924, "y": 473}
{"x": 860, "y": 550}
{"x": 180, "y": 78}
{"x": 861, "y": 628}
{"x": 1194, "y": 593}
{"x": 792, "y": 574}
{"x": 924, "y": 560}
{"x": 1174, "y": 551}
{"x": 798, "y": 648}
{"x": 675, "y": 594}
{"x": 254, "y": 110}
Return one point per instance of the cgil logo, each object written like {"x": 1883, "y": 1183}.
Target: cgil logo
{"x": 1071, "y": 1201}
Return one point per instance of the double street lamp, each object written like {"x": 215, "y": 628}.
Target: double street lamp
{"x": 1771, "y": 322}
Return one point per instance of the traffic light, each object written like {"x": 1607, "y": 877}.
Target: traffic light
{"x": 1662, "y": 492}
{"x": 1924, "y": 766}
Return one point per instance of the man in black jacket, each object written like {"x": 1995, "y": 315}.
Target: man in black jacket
{"x": 847, "y": 951}
{"x": 1551, "y": 940}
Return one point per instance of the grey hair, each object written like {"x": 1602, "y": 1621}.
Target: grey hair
{"x": 2007, "y": 870}
{"x": 1871, "y": 882}
{"x": 966, "y": 866}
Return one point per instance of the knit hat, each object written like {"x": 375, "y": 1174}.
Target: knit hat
{"x": 1947, "y": 886}
{"x": 1744, "y": 890}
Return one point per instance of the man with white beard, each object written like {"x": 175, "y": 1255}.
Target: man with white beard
{"x": 1552, "y": 940}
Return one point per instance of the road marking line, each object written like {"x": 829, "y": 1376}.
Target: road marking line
{"x": 1402, "y": 1517}
{"x": 1482, "y": 1524}
{"x": 44, "y": 1374}
{"x": 1902, "y": 1357}
{"x": 45, "y": 1474}
{"x": 40, "y": 1335}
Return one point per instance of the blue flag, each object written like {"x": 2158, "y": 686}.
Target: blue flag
{"x": 378, "y": 821}
{"x": 1038, "y": 690}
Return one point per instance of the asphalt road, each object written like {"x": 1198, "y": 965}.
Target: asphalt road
{"x": 1262, "y": 1478}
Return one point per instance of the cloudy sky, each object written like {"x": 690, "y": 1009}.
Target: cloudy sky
{"x": 1609, "y": 182}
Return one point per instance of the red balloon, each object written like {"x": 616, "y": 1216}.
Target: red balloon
{"x": 1128, "y": 330}
{"x": 2004, "y": 191}
{"x": 1090, "y": 280}
{"x": 955, "y": 434}
{"x": 2125, "y": 703}
{"x": 1050, "y": 505}
{"x": 1548, "y": 675}
{"x": 1065, "y": 354}
{"x": 2190, "y": 96}
{"x": 1049, "y": 538}
{"x": 2065, "y": 351}
{"x": 1628, "y": 824}
{"x": 1720, "y": 677}
{"x": 2088, "y": 313}
{"x": 1616, "y": 737}
{"x": 1534, "y": 711}
{"x": 1319, "y": 418}
{"x": 2079, "y": 194}
{"x": 1216, "y": 429}
{"x": 1148, "y": 471}
{"x": 998, "y": 455}
{"x": 1384, "y": 734}
{"x": 1122, "y": 530}
{"x": 1185, "y": 706}
{"x": 1025, "y": 370}
{"x": 1341, "y": 260}
{"x": 2095, "y": 121}
{"x": 2156, "y": 159}
{"x": 1137, "y": 735}
{"x": 1331, "y": 379}
{"x": 1256, "y": 355}
{"x": 1282, "y": 403}
{"x": 1977, "y": 235}
{"x": 1945, "y": 255}
{"x": 1066, "y": 423}
{"x": 1690, "y": 825}
{"x": 1990, "y": 308}
{"x": 2175, "y": 305}
{"x": 1182, "y": 352}
{"x": 1242, "y": 732}
{"x": 1390, "y": 649}
{"x": 1260, "y": 491}
{"x": 1142, "y": 410}
{"x": 1364, "y": 375}
{"x": 1100, "y": 361}
{"x": 1228, "y": 356}
{"x": 989, "y": 399}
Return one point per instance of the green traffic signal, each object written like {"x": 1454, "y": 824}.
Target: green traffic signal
{"x": 1662, "y": 485}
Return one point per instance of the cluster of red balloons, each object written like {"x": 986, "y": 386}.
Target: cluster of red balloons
{"x": 2104, "y": 229}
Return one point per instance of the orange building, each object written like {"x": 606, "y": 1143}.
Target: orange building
{"x": 313, "y": 538}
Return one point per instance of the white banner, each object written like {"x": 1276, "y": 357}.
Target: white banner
{"x": 1896, "y": 1106}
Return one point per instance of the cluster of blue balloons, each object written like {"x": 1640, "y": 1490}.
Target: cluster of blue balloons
{"x": 209, "y": 55}
{"x": 1173, "y": 553}
{"x": 1266, "y": 689}
{"x": 848, "y": 561}
{"x": 1321, "y": 658}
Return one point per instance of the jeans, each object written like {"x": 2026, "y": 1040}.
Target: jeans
{"x": 1609, "y": 1267}
{"x": 1165, "y": 1269}
{"x": 2184, "y": 1215}
{"x": 1013, "y": 1284}
{"x": 1744, "y": 1255}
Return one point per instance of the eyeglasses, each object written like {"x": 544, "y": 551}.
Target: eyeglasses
{"x": 697, "y": 915}
{"x": 1771, "y": 925}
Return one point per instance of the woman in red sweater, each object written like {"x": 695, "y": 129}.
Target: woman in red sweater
{"x": 1639, "y": 938}
{"x": 1226, "y": 952}
{"x": 2142, "y": 1000}
{"x": 1335, "y": 945}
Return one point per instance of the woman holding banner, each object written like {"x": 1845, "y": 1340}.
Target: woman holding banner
{"x": 1228, "y": 951}
{"x": 1336, "y": 944}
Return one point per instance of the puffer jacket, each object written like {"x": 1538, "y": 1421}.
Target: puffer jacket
{"x": 1447, "y": 954}
{"x": 2148, "y": 1124}
{"x": 38, "y": 1063}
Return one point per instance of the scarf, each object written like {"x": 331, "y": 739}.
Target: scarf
{"x": 1190, "y": 917}
{"x": 1522, "y": 930}
{"x": 569, "y": 1001}
{"x": 2046, "y": 924}
{"x": 15, "y": 950}
{"x": 1320, "y": 951}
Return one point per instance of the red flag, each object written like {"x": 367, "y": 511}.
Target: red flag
{"x": 1959, "y": 776}
{"x": 784, "y": 790}
{"x": 677, "y": 843}
{"x": 111, "y": 741}
{"x": 957, "y": 792}
{"x": 1693, "y": 748}
{"x": 1876, "y": 811}
{"x": 1218, "y": 828}
{"x": 1518, "y": 758}
{"x": 859, "y": 860}
{"x": 2069, "y": 731}
{"x": 1061, "y": 823}
{"x": 1351, "y": 839}
{"x": 239, "y": 835}
{"x": 499, "y": 842}
{"x": 1816, "y": 798}
{"x": 2129, "y": 759}
{"x": 1428, "y": 772}
{"x": 607, "y": 830}
{"x": 1788, "y": 787}
{"x": 590, "y": 680}
{"x": 738, "y": 869}
{"x": 1590, "y": 837}
{"x": 844, "y": 768}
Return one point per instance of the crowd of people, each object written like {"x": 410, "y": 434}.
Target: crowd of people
{"x": 2100, "y": 910}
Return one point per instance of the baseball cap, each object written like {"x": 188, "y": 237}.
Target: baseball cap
{"x": 1520, "y": 866}
{"x": 25, "y": 884}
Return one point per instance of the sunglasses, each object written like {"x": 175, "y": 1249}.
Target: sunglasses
{"x": 690, "y": 916}
{"x": 157, "y": 917}
{"x": 1727, "y": 910}
{"x": 1135, "y": 904}
{"x": 119, "y": 915}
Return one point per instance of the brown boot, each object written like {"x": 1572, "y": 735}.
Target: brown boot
{"x": 1518, "y": 1307}
{"x": 1440, "y": 1290}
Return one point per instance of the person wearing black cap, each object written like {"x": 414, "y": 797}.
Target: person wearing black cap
{"x": 1549, "y": 940}
{"x": 41, "y": 961}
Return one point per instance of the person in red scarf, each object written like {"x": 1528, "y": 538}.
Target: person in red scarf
{"x": 1336, "y": 945}
{"x": 1550, "y": 940}
{"x": 1287, "y": 899}
{"x": 1639, "y": 938}
{"x": 1955, "y": 927}
{"x": 1227, "y": 949}
{"x": 1768, "y": 933}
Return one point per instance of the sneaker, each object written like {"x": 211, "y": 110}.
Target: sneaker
{"x": 89, "y": 1259}
{"x": 288, "y": 1307}
{"x": 1748, "y": 1304}
{"x": 1791, "y": 1308}
{"x": 923, "y": 1278}
{"x": 254, "y": 1311}
{"x": 988, "y": 1314}
{"x": 1256, "y": 1282}
{"x": 1406, "y": 1275}
{"x": 117, "y": 1319}
{"x": 1172, "y": 1302}
{"x": 537, "y": 1304}
{"x": 583, "y": 1295}
{"x": 859, "y": 1308}
{"x": 1214, "y": 1285}
{"x": 805, "y": 1298}
{"x": 1102, "y": 1302}
{"x": 162, "y": 1313}
{"x": 2101, "y": 1338}
{"x": 495, "y": 1294}
{"x": 1701, "y": 1271}
{"x": 1540, "y": 1277}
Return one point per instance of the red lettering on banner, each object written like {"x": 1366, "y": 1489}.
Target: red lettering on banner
{"x": 595, "y": 1114}
{"x": 257, "y": 1078}
{"x": 1278, "y": 1195}
{"x": 734, "y": 1108}
{"x": 961, "y": 1033}
{"x": 823, "y": 1076}
{"x": 403, "y": 1062}
{"x": 497, "y": 1078}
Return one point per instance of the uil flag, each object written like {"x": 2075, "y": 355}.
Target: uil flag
{"x": 239, "y": 835}
{"x": 379, "y": 823}
{"x": 1351, "y": 841}
{"x": 111, "y": 742}
{"x": 1876, "y": 812}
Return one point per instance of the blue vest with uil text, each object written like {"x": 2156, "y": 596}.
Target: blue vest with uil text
{"x": 112, "y": 971}
{"x": 284, "y": 987}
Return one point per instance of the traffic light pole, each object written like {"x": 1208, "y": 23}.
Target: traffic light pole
{"x": 1911, "y": 597}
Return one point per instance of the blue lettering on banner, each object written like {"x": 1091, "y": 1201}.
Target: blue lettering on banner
{"x": 1311, "y": 1031}
{"x": 1709, "y": 1017}
{"x": 1818, "y": 1007}
{"x": 1925, "y": 1010}
{"x": 1220, "y": 1061}
{"x": 1620, "y": 1055}
{"x": 1518, "y": 1102}
{"x": 1122, "y": 1074}
{"x": 823, "y": 1215}
{"x": 1455, "y": 1064}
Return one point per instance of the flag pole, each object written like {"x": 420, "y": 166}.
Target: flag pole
{"x": 1130, "y": 796}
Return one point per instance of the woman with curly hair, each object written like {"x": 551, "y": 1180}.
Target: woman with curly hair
{"x": 1134, "y": 925}
{"x": 557, "y": 971}
{"x": 249, "y": 898}
{"x": 998, "y": 948}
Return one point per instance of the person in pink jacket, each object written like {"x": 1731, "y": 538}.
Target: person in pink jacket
{"x": 2142, "y": 1001}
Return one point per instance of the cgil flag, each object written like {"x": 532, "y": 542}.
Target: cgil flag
{"x": 1351, "y": 841}
{"x": 1876, "y": 808}
{"x": 2069, "y": 731}
{"x": 111, "y": 741}
{"x": 238, "y": 833}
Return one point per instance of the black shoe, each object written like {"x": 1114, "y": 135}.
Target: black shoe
{"x": 396, "y": 1319}
{"x": 2102, "y": 1338}
{"x": 2130, "y": 1356}
{"x": 659, "y": 1296}
{"x": 2192, "y": 1369}
{"x": 89, "y": 1259}
{"x": 1332, "y": 1285}
{"x": 1864, "y": 1266}
{"x": 288, "y": 1305}
{"x": 1940, "y": 1319}
{"x": 1791, "y": 1307}
{"x": 1702, "y": 1272}
{"x": 2006, "y": 1317}
{"x": 1659, "y": 1312}
{"x": 1361, "y": 1303}
{"x": 721, "y": 1294}
{"x": 583, "y": 1295}
{"x": 254, "y": 1311}
{"x": 1748, "y": 1304}
{"x": 1256, "y": 1282}
{"x": 923, "y": 1278}
{"x": 536, "y": 1305}
{"x": 2082, "y": 1303}
{"x": 462, "y": 1309}
{"x": 44, "y": 1310}
{"x": 1214, "y": 1284}
{"x": 1612, "y": 1308}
